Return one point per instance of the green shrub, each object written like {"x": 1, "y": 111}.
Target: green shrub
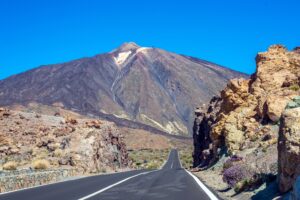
{"x": 294, "y": 87}
{"x": 152, "y": 165}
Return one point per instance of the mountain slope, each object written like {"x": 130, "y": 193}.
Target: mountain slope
{"x": 146, "y": 85}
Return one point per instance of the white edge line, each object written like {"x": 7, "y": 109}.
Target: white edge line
{"x": 115, "y": 184}
{"x": 76, "y": 178}
{"x": 122, "y": 181}
{"x": 203, "y": 187}
{"x": 62, "y": 181}
{"x": 37, "y": 186}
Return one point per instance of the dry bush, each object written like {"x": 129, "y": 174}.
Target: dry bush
{"x": 58, "y": 153}
{"x": 70, "y": 120}
{"x": 11, "y": 165}
{"x": 153, "y": 165}
{"x": 3, "y": 140}
{"x": 41, "y": 164}
{"x": 294, "y": 87}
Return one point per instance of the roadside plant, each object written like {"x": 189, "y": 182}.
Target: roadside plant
{"x": 233, "y": 175}
{"x": 294, "y": 87}
{"x": 11, "y": 165}
{"x": 152, "y": 165}
{"x": 233, "y": 160}
{"x": 237, "y": 173}
{"x": 41, "y": 164}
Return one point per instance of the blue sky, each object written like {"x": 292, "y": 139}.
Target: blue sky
{"x": 230, "y": 33}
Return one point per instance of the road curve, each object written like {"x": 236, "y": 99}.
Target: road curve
{"x": 171, "y": 182}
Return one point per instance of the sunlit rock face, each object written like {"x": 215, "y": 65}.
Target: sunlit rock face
{"x": 289, "y": 146}
{"x": 247, "y": 119}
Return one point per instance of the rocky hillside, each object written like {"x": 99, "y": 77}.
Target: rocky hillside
{"x": 133, "y": 86}
{"x": 88, "y": 146}
{"x": 244, "y": 123}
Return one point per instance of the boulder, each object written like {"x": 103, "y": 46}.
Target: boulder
{"x": 275, "y": 106}
{"x": 203, "y": 151}
{"x": 289, "y": 148}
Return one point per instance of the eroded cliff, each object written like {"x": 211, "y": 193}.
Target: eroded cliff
{"x": 244, "y": 122}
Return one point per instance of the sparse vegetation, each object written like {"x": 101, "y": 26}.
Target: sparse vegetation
{"x": 231, "y": 162}
{"x": 11, "y": 165}
{"x": 236, "y": 174}
{"x": 58, "y": 153}
{"x": 294, "y": 87}
{"x": 240, "y": 176}
{"x": 148, "y": 158}
{"x": 186, "y": 157}
{"x": 40, "y": 164}
{"x": 3, "y": 140}
{"x": 153, "y": 164}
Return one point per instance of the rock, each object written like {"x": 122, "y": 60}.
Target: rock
{"x": 275, "y": 107}
{"x": 246, "y": 118}
{"x": 297, "y": 50}
{"x": 252, "y": 120}
{"x": 71, "y": 120}
{"x": 291, "y": 105}
{"x": 94, "y": 124}
{"x": 53, "y": 146}
{"x": 5, "y": 112}
{"x": 202, "y": 154}
{"x": 64, "y": 161}
{"x": 297, "y": 100}
{"x": 81, "y": 144}
{"x": 294, "y": 103}
{"x": 289, "y": 149}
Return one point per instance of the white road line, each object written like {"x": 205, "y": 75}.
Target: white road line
{"x": 110, "y": 186}
{"x": 37, "y": 186}
{"x": 122, "y": 181}
{"x": 76, "y": 178}
{"x": 203, "y": 187}
{"x": 61, "y": 181}
{"x": 172, "y": 165}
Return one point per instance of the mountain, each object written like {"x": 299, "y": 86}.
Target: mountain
{"x": 142, "y": 86}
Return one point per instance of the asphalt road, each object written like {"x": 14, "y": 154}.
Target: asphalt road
{"x": 171, "y": 182}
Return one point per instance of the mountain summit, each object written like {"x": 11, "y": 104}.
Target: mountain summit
{"x": 137, "y": 84}
{"x": 128, "y": 46}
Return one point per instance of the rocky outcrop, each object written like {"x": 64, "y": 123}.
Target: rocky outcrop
{"x": 201, "y": 133}
{"x": 289, "y": 146}
{"x": 86, "y": 145}
{"x": 247, "y": 119}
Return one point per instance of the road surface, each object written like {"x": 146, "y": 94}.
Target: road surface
{"x": 171, "y": 182}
